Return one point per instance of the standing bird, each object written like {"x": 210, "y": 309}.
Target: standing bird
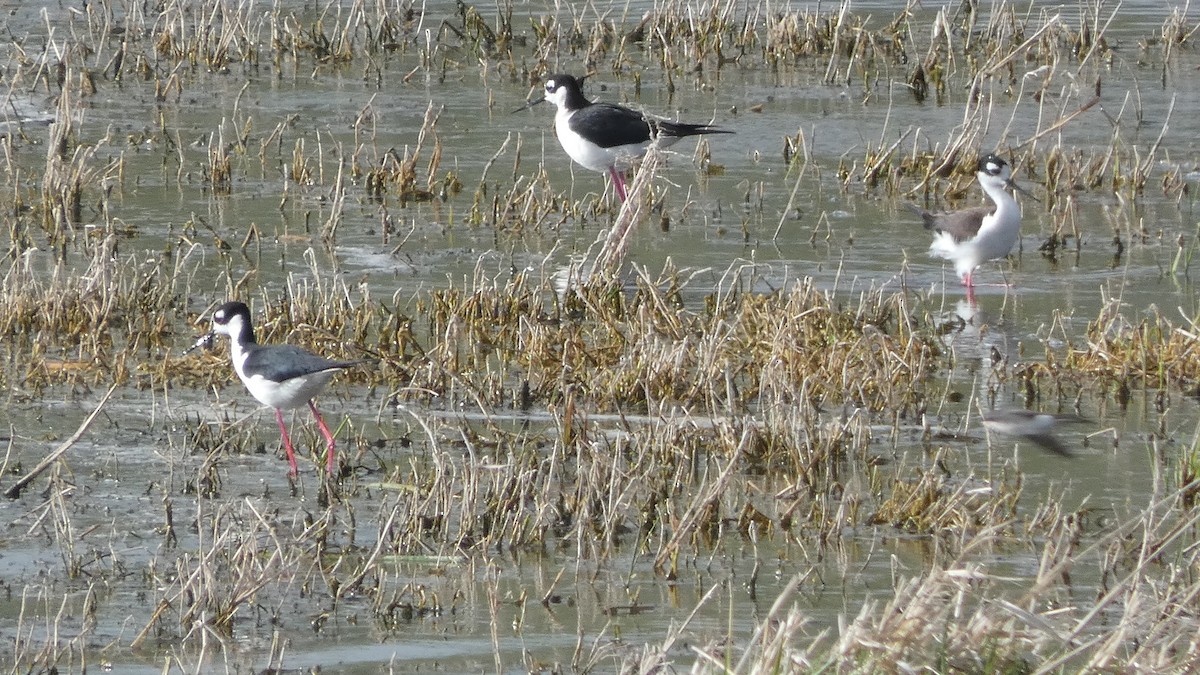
{"x": 606, "y": 136}
{"x": 971, "y": 237}
{"x": 280, "y": 376}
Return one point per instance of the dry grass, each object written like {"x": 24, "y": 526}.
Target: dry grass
{"x": 671, "y": 483}
{"x": 641, "y": 424}
{"x": 961, "y": 616}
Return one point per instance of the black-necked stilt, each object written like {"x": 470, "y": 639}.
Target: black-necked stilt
{"x": 280, "y": 376}
{"x": 971, "y": 237}
{"x": 1035, "y": 427}
{"x": 605, "y": 136}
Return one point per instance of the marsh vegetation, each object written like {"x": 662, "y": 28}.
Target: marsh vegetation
{"x": 730, "y": 426}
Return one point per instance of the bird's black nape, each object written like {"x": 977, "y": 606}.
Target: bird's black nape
{"x": 992, "y": 164}
{"x": 572, "y": 88}
{"x": 560, "y": 78}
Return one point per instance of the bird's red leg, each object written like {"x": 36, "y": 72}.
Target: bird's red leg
{"x": 970, "y": 288}
{"x": 329, "y": 445}
{"x": 287, "y": 442}
{"x": 618, "y": 182}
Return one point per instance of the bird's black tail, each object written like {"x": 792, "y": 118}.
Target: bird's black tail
{"x": 680, "y": 129}
{"x": 926, "y": 216}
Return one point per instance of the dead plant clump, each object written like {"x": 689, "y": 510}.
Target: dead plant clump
{"x": 1119, "y": 356}
{"x": 962, "y": 616}
{"x": 644, "y": 352}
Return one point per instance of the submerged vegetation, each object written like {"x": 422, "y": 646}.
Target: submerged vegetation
{"x": 716, "y": 439}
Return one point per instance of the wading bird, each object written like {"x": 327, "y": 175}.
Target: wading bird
{"x": 280, "y": 376}
{"x": 971, "y": 237}
{"x": 606, "y": 136}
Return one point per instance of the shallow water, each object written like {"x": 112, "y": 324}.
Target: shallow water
{"x": 849, "y": 241}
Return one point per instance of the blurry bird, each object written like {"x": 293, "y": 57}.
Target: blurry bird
{"x": 1035, "y": 427}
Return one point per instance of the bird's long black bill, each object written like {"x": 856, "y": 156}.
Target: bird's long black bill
{"x": 205, "y": 341}
{"x": 529, "y": 105}
{"x": 1023, "y": 191}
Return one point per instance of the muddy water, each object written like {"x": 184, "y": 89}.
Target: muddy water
{"x": 848, "y": 240}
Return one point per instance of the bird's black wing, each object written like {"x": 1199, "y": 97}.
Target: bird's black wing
{"x": 609, "y": 126}
{"x": 284, "y": 362}
{"x": 961, "y": 225}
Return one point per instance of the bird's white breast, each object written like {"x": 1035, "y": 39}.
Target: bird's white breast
{"x": 290, "y": 393}
{"x": 590, "y": 155}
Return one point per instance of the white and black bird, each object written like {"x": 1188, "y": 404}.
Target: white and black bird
{"x": 971, "y": 237}
{"x": 280, "y": 376}
{"x": 1036, "y": 427}
{"x": 606, "y": 136}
